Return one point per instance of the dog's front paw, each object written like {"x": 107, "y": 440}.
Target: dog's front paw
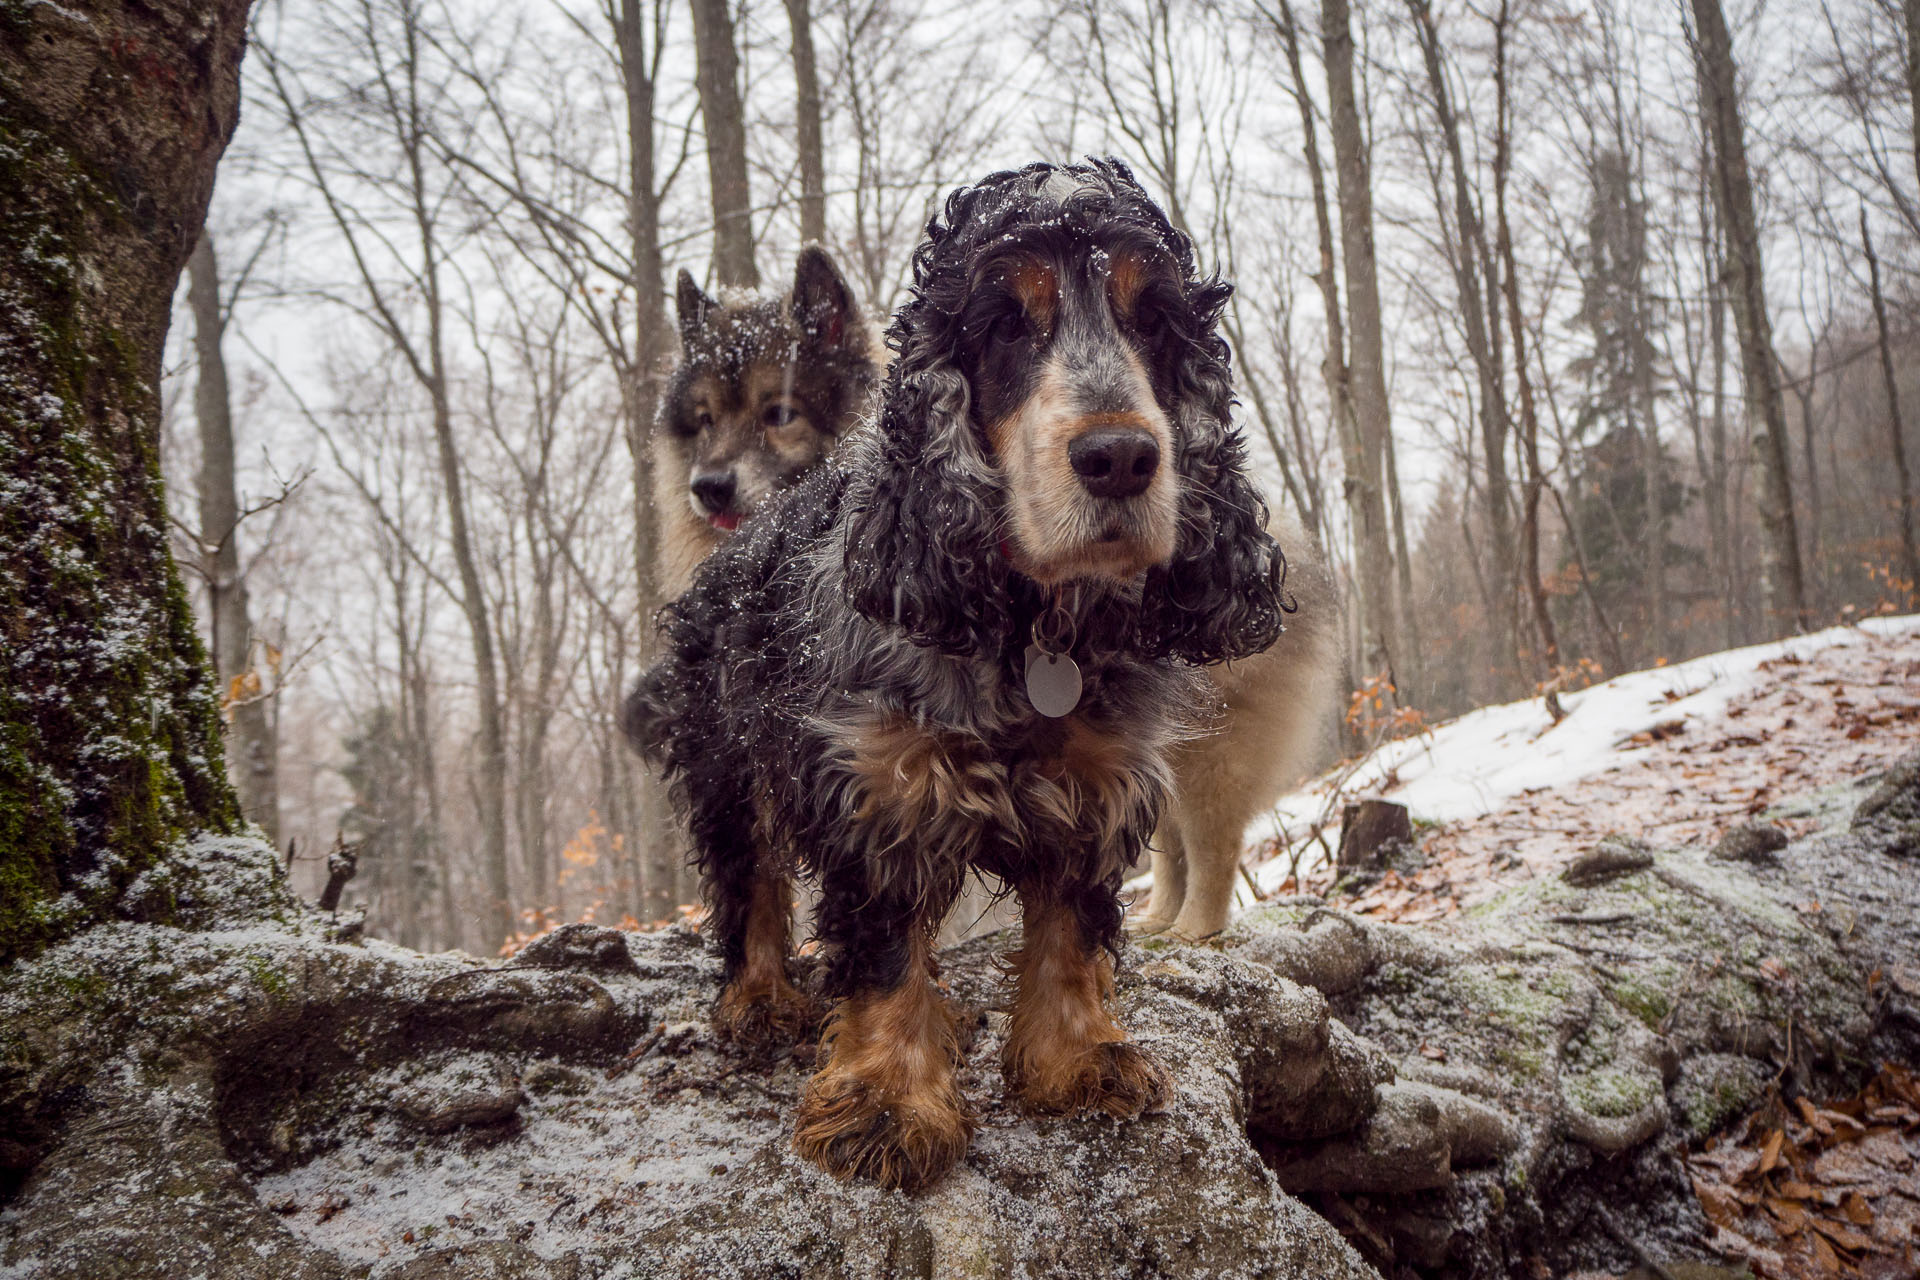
{"x": 764, "y": 1020}
{"x": 852, "y": 1130}
{"x": 1117, "y": 1078}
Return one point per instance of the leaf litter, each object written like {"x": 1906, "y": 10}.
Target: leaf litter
{"x": 1801, "y": 1190}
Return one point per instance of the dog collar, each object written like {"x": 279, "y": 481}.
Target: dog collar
{"x": 1052, "y": 676}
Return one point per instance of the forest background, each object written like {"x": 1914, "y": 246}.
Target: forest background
{"x": 1578, "y": 336}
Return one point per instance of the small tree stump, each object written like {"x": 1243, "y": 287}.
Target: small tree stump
{"x": 342, "y": 861}
{"x": 1367, "y": 826}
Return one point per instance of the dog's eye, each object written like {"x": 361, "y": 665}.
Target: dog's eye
{"x": 703, "y": 420}
{"x": 1149, "y": 321}
{"x": 1010, "y": 329}
{"x": 778, "y": 415}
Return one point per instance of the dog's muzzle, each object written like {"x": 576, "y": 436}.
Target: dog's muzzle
{"x": 1114, "y": 462}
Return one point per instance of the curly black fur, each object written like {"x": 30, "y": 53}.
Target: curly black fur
{"x": 878, "y": 595}
{"x": 1219, "y": 596}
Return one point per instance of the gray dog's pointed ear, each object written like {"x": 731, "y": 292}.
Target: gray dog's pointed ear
{"x": 693, "y": 305}
{"x": 822, "y": 302}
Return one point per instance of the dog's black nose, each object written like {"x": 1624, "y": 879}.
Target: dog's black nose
{"x": 1114, "y": 462}
{"x": 714, "y": 491}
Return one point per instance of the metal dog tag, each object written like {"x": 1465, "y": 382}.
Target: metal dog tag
{"x": 1053, "y": 682}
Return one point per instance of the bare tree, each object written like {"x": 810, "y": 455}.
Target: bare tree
{"x": 1547, "y": 638}
{"x": 397, "y": 105}
{"x": 921, "y": 115}
{"x": 721, "y": 109}
{"x": 1910, "y": 557}
{"x": 1367, "y": 442}
{"x": 1333, "y": 363}
{"x": 252, "y": 752}
{"x": 1471, "y": 259}
{"x": 658, "y": 851}
{"x": 1780, "y": 575}
{"x": 557, "y": 233}
{"x": 808, "y": 130}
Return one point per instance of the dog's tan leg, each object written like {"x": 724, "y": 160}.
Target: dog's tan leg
{"x": 886, "y": 1106}
{"x": 761, "y": 1009}
{"x": 1168, "y": 860}
{"x": 1212, "y": 867}
{"x": 1064, "y": 1050}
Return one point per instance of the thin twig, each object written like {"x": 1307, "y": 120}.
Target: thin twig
{"x": 638, "y": 1052}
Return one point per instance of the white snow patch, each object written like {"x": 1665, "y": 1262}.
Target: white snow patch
{"x": 1471, "y": 765}
{"x": 588, "y": 1171}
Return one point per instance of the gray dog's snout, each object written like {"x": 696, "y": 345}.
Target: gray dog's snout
{"x": 715, "y": 490}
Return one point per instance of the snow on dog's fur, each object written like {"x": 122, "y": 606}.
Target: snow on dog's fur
{"x": 765, "y": 389}
{"x": 843, "y": 688}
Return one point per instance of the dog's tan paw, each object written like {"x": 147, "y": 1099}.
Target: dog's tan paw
{"x": 765, "y": 1019}
{"x": 1194, "y": 927}
{"x": 852, "y": 1131}
{"x": 1117, "y": 1078}
{"x": 1146, "y": 925}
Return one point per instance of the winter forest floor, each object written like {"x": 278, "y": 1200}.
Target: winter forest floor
{"x": 1484, "y": 1059}
{"x": 1803, "y": 1193}
{"x": 1680, "y": 755}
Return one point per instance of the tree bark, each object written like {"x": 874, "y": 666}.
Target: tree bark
{"x": 1366, "y": 444}
{"x": 1895, "y": 428}
{"x": 718, "y": 80}
{"x": 658, "y": 857}
{"x": 1480, "y": 317}
{"x": 807, "y": 128}
{"x": 1780, "y": 576}
{"x": 1910, "y": 11}
{"x": 112, "y": 118}
{"x": 252, "y": 752}
{"x": 1333, "y": 364}
{"x": 1548, "y": 665}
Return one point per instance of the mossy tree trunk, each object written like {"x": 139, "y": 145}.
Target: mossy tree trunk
{"x": 112, "y": 117}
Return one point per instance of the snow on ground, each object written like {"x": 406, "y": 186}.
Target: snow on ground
{"x": 1472, "y": 766}
{"x": 590, "y": 1165}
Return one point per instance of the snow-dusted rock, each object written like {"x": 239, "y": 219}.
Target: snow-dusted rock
{"x": 265, "y": 1102}
{"x": 261, "y": 1101}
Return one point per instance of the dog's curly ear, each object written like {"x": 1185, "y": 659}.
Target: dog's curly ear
{"x": 1220, "y": 595}
{"x": 922, "y": 543}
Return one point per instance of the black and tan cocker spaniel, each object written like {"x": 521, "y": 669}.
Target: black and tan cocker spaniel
{"x": 969, "y": 640}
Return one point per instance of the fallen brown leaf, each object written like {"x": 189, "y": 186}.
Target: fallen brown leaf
{"x": 1717, "y": 1202}
{"x": 1824, "y": 1255}
{"x": 1791, "y": 1217}
{"x": 1846, "y": 1237}
{"x": 1770, "y": 1154}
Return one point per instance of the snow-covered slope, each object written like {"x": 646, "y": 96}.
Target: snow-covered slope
{"x": 1472, "y": 765}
